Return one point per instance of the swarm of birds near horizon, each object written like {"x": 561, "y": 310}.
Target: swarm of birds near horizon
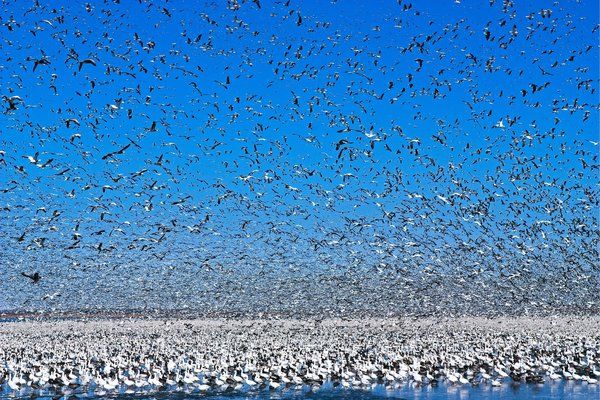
{"x": 273, "y": 157}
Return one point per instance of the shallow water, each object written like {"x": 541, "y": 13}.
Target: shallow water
{"x": 547, "y": 391}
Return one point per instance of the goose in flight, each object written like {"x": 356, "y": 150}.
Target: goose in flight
{"x": 12, "y": 101}
{"x": 86, "y": 61}
{"x": 35, "y": 278}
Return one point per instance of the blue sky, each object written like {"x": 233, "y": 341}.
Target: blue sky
{"x": 252, "y": 109}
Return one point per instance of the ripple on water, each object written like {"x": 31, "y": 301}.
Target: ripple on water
{"x": 548, "y": 391}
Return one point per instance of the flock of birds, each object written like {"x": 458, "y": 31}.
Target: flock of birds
{"x": 137, "y": 356}
{"x": 291, "y": 159}
{"x": 299, "y": 158}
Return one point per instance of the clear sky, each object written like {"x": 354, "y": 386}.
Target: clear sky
{"x": 180, "y": 147}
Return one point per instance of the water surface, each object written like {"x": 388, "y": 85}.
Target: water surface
{"x": 547, "y": 391}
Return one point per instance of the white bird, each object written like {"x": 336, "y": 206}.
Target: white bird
{"x": 274, "y": 385}
{"x": 14, "y": 383}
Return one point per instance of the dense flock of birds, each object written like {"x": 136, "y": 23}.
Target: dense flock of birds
{"x": 134, "y": 356}
{"x": 293, "y": 157}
